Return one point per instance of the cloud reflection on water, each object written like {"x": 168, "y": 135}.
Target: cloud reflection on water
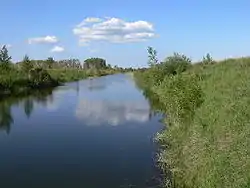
{"x": 100, "y": 112}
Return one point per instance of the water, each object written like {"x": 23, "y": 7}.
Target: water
{"x": 89, "y": 134}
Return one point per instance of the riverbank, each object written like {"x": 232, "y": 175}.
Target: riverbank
{"x": 206, "y": 140}
{"x": 23, "y": 77}
{"x": 15, "y": 82}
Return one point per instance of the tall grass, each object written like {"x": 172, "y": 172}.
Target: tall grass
{"x": 206, "y": 143}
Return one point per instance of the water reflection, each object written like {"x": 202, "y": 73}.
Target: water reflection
{"x": 103, "y": 156}
{"x": 6, "y": 116}
{"x": 102, "y": 112}
{"x": 91, "y": 112}
{"x": 102, "y": 83}
{"x": 28, "y": 107}
{"x": 95, "y": 84}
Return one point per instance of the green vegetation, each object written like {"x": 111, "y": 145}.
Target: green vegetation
{"x": 207, "y": 137}
{"x": 27, "y": 75}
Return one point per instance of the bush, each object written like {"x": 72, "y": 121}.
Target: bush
{"x": 180, "y": 95}
{"x": 40, "y": 77}
{"x": 173, "y": 65}
{"x": 176, "y": 64}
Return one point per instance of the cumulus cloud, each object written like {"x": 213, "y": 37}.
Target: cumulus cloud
{"x": 43, "y": 40}
{"x": 57, "y": 49}
{"x": 89, "y": 20}
{"x": 113, "y": 30}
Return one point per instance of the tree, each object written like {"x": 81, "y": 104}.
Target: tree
{"x": 95, "y": 63}
{"x": 152, "y": 56}
{"x": 50, "y": 62}
{"x": 109, "y": 66}
{"x": 27, "y": 64}
{"x": 5, "y": 58}
{"x": 207, "y": 59}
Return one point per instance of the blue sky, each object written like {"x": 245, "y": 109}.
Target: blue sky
{"x": 120, "y": 31}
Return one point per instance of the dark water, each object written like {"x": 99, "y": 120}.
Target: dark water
{"x": 88, "y": 134}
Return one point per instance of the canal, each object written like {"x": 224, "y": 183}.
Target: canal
{"x": 95, "y": 133}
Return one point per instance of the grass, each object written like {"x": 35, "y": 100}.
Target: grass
{"x": 206, "y": 143}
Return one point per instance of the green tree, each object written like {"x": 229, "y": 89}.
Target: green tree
{"x": 27, "y": 64}
{"x": 5, "y": 59}
{"x": 95, "y": 63}
{"x": 207, "y": 59}
{"x": 109, "y": 66}
{"x": 152, "y": 56}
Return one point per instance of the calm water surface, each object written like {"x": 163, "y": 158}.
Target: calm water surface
{"x": 89, "y": 134}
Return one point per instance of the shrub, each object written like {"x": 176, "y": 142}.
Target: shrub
{"x": 180, "y": 95}
{"x": 26, "y": 64}
{"x": 176, "y": 64}
{"x": 40, "y": 77}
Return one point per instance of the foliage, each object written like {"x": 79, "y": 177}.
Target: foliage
{"x": 180, "y": 95}
{"x": 172, "y": 65}
{"x": 95, "y": 63}
{"x": 176, "y": 64}
{"x": 152, "y": 56}
{"x": 207, "y": 59}
{"x": 50, "y": 61}
{"x": 26, "y": 64}
{"x": 27, "y": 75}
{"x": 5, "y": 59}
{"x": 40, "y": 78}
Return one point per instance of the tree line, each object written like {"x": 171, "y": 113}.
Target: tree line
{"x": 51, "y": 63}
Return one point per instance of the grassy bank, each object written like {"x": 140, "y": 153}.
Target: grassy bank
{"x": 16, "y": 82}
{"x": 207, "y": 138}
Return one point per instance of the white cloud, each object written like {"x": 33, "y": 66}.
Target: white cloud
{"x": 113, "y": 30}
{"x": 57, "y": 49}
{"x": 47, "y": 40}
{"x": 89, "y": 20}
{"x": 92, "y": 19}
